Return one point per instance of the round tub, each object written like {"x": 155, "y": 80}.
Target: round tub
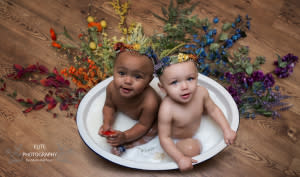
{"x": 151, "y": 156}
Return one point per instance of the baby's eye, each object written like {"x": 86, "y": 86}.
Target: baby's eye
{"x": 138, "y": 76}
{"x": 121, "y": 73}
{"x": 190, "y": 79}
{"x": 174, "y": 82}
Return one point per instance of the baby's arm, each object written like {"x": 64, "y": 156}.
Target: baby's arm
{"x": 164, "y": 132}
{"x": 145, "y": 122}
{"x": 108, "y": 112}
{"x": 216, "y": 113}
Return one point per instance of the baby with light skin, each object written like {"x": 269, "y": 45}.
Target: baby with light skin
{"x": 130, "y": 93}
{"x": 180, "y": 113}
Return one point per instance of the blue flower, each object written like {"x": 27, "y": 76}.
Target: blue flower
{"x": 216, "y": 20}
{"x": 201, "y": 60}
{"x": 196, "y": 40}
{"x": 209, "y": 41}
{"x": 228, "y": 43}
{"x": 234, "y": 37}
{"x": 248, "y": 24}
{"x": 166, "y": 60}
{"x": 212, "y": 32}
{"x": 238, "y": 19}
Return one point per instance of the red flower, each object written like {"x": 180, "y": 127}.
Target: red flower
{"x": 63, "y": 106}
{"x": 18, "y": 67}
{"x": 98, "y": 25}
{"x": 51, "y": 105}
{"x": 80, "y": 35}
{"x": 27, "y": 110}
{"x": 119, "y": 46}
{"x": 43, "y": 69}
{"x": 52, "y": 34}
{"x": 39, "y": 105}
{"x": 31, "y": 68}
{"x": 55, "y": 44}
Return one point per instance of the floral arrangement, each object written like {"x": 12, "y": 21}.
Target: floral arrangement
{"x": 92, "y": 55}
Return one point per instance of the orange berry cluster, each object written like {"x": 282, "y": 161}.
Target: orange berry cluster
{"x": 85, "y": 77}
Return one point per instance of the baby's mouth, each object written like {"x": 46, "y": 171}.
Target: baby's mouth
{"x": 185, "y": 96}
{"x": 126, "y": 90}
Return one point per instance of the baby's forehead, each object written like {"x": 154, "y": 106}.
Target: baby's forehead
{"x": 178, "y": 68}
{"x": 129, "y": 54}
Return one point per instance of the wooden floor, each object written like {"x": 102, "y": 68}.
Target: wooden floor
{"x": 264, "y": 147}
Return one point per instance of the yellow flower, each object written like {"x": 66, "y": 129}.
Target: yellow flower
{"x": 180, "y": 57}
{"x": 186, "y": 57}
{"x": 136, "y": 46}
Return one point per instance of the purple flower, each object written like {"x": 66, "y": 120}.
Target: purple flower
{"x": 233, "y": 92}
{"x": 240, "y": 78}
{"x": 228, "y": 76}
{"x": 285, "y": 66}
{"x": 237, "y": 100}
{"x": 290, "y": 58}
{"x": 250, "y": 81}
{"x": 269, "y": 80}
{"x": 257, "y": 75}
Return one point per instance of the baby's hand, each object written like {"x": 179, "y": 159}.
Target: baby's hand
{"x": 116, "y": 138}
{"x": 186, "y": 163}
{"x": 104, "y": 128}
{"x": 229, "y": 136}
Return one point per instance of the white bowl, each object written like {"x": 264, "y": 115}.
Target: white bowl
{"x": 151, "y": 156}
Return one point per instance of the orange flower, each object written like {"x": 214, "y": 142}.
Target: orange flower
{"x": 98, "y": 25}
{"x": 55, "y": 44}
{"x": 80, "y": 35}
{"x": 52, "y": 34}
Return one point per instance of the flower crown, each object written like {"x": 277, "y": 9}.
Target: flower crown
{"x": 148, "y": 51}
{"x": 138, "y": 42}
{"x": 166, "y": 61}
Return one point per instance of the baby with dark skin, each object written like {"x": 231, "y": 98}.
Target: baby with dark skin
{"x": 130, "y": 93}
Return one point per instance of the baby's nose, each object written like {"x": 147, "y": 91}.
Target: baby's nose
{"x": 128, "y": 80}
{"x": 184, "y": 85}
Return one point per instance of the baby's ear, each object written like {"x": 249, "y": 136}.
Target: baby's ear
{"x": 161, "y": 87}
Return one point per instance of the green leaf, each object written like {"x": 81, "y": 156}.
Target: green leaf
{"x": 223, "y": 36}
{"x": 282, "y": 64}
{"x": 268, "y": 113}
{"x": 249, "y": 69}
{"x": 214, "y": 46}
{"x": 69, "y": 46}
{"x": 259, "y": 60}
{"x": 226, "y": 26}
{"x": 67, "y": 34}
{"x": 94, "y": 36}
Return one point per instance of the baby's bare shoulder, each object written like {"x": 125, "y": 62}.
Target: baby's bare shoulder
{"x": 151, "y": 95}
{"x": 166, "y": 104}
{"x": 151, "y": 98}
{"x": 202, "y": 90}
